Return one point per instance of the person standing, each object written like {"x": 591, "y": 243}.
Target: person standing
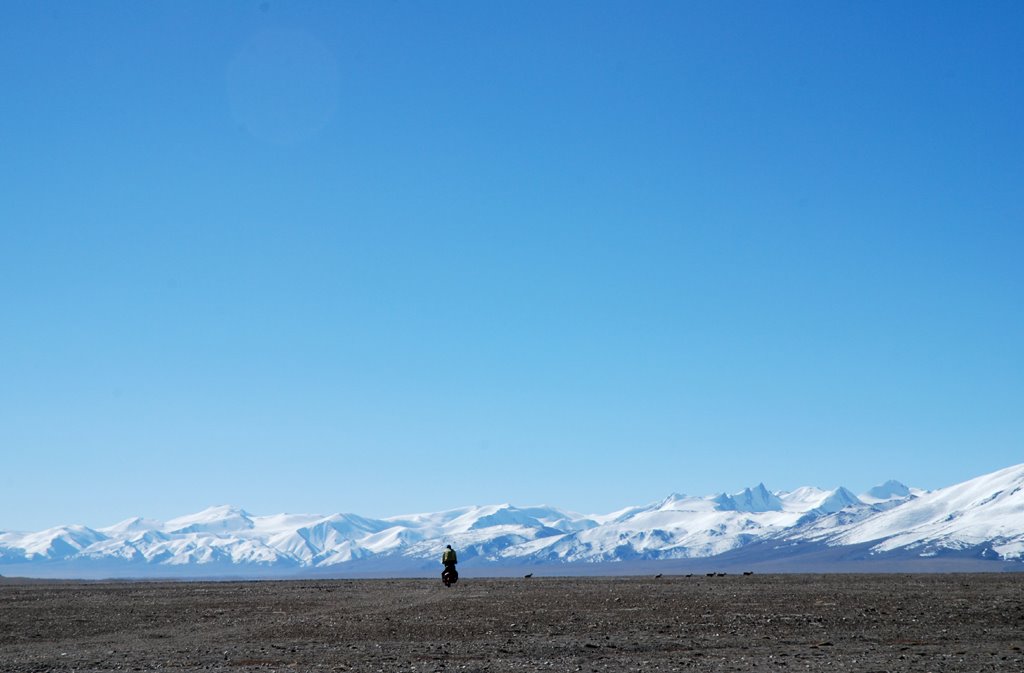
{"x": 449, "y": 558}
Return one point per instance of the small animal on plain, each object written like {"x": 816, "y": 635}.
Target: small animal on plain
{"x": 528, "y": 575}
{"x": 711, "y": 574}
{"x": 657, "y": 576}
{"x": 721, "y": 574}
{"x": 748, "y": 573}
{"x": 689, "y": 575}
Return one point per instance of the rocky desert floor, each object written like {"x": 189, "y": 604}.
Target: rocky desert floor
{"x": 672, "y": 623}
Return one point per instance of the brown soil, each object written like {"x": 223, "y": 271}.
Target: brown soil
{"x": 733, "y": 623}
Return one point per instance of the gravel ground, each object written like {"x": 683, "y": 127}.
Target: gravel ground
{"x": 731, "y": 623}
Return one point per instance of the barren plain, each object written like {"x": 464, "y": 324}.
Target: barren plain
{"x": 884, "y": 622}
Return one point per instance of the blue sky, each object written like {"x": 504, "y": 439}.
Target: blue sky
{"x": 395, "y": 257}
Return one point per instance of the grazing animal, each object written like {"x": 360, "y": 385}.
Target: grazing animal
{"x": 690, "y": 575}
{"x": 657, "y": 576}
{"x": 528, "y": 575}
{"x": 711, "y": 574}
{"x": 721, "y": 574}
{"x": 748, "y": 573}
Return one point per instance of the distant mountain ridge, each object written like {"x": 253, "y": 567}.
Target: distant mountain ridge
{"x": 981, "y": 520}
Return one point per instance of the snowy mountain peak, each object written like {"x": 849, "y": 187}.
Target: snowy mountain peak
{"x": 60, "y": 542}
{"x": 219, "y": 519}
{"x": 839, "y": 499}
{"x": 505, "y": 515}
{"x": 889, "y": 490}
{"x": 757, "y": 499}
{"x": 133, "y": 525}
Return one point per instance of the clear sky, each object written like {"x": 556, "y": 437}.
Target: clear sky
{"x": 386, "y": 257}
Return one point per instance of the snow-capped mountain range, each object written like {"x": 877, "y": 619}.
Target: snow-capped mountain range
{"x": 981, "y": 519}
